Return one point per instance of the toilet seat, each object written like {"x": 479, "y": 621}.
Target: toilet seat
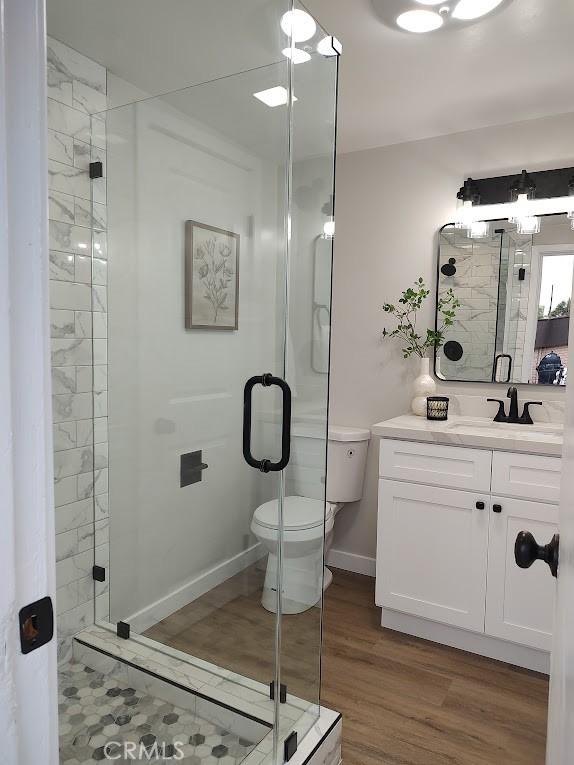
{"x": 299, "y": 513}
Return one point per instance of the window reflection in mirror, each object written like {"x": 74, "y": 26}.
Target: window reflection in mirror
{"x": 515, "y": 291}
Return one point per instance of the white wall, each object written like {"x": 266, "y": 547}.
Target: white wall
{"x": 390, "y": 204}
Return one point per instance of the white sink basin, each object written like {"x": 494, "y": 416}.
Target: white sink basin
{"x": 546, "y": 429}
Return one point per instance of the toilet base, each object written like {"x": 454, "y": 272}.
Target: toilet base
{"x": 302, "y": 583}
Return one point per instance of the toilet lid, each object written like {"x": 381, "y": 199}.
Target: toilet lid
{"x": 298, "y": 513}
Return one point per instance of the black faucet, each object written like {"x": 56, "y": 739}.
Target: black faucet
{"x": 512, "y": 394}
{"x": 512, "y": 416}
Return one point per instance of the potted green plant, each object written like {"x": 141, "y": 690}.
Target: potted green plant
{"x": 414, "y": 344}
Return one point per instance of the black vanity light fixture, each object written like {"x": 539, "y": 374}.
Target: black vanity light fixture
{"x": 522, "y": 198}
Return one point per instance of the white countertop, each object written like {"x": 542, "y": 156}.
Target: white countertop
{"x": 479, "y": 432}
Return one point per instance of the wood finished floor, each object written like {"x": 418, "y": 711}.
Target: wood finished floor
{"x": 404, "y": 701}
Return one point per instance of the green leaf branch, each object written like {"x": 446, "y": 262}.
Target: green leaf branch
{"x": 405, "y": 314}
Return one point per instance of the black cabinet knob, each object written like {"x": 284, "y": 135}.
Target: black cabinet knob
{"x": 480, "y": 505}
{"x": 497, "y": 508}
{"x": 527, "y": 550}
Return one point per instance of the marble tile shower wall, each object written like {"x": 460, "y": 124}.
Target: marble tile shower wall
{"x": 475, "y": 284}
{"x": 78, "y": 322}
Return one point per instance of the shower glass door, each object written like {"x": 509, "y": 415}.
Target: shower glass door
{"x": 206, "y": 220}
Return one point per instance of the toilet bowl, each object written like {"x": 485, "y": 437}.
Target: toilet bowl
{"x": 305, "y": 523}
{"x": 308, "y": 521}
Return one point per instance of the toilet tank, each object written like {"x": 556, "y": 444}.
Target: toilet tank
{"x": 347, "y": 451}
{"x": 346, "y": 462}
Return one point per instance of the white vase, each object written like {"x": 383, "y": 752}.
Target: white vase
{"x": 424, "y": 386}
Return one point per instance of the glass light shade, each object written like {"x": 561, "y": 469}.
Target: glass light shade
{"x": 329, "y": 229}
{"x": 296, "y": 55}
{"x": 431, "y": 2}
{"x": 419, "y": 21}
{"x": 464, "y": 214}
{"x": 479, "y": 229}
{"x": 530, "y": 224}
{"x": 474, "y": 9}
{"x": 298, "y": 25}
{"x": 520, "y": 208}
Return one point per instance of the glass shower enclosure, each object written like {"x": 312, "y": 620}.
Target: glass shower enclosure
{"x": 209, "y": 401}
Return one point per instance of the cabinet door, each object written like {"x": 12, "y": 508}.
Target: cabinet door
{"x": 432, "y": 553}
{"x": 520, "y": 602}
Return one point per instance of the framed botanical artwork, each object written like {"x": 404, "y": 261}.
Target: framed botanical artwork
{"x": 211, "y": 277}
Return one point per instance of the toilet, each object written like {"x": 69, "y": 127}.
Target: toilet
{"x": 306, "y": 519}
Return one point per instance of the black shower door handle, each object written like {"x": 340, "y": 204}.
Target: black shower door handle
{"x": 266, "y": 465}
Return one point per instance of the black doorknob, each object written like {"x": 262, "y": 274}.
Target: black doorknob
{"x": 527, "y": 550}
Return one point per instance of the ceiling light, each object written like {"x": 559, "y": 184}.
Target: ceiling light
{"x": 474, "y": 9}
{"x": 329, "y": 46}
{"x": 298, "y": 25}
{"x": 296, "y": 55}
{"x": 430, "y": 2}
{"x": 419, "y": 21}
{"x": 273, "y": 97}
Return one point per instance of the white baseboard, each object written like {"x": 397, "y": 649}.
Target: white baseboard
{"x": 359, "y": 564}
{"x": 195, "y": 588}
{"x": 483, "y": 645}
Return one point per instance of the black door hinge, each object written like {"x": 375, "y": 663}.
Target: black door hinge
{"x": 290, "y": 745}
{"x": 282, "y": 692}
{"x": 123, "y": 630}
{"x": 98, "y": 574}
{"x": 36, "y": 624}
{"x": 96, "y": 170}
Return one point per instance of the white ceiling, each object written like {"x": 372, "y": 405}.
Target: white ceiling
{"x": 515, "y": 65}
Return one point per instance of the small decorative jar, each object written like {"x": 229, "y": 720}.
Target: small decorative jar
{"x": 437, "y": 408}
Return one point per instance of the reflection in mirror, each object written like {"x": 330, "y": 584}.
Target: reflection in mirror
{"x": 515, "y": 291}
{"x": 321, "y": 304}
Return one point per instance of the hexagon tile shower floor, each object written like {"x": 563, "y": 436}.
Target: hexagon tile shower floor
{"x": 99, "y": 717}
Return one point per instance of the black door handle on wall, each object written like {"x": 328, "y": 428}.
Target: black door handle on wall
{"x": 265, "y": 465}
{"x": 527, "y": 550}
{"x": 495, "y": 365}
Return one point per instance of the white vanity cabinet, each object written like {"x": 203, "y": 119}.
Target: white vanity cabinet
{"x": 447, "y": 524}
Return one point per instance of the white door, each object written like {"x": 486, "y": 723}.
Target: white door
{"x": 443, "y": 534}
{"x": 520, "y": 603}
